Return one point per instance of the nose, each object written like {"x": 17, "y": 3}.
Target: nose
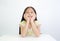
{"x": 30, "y": 14}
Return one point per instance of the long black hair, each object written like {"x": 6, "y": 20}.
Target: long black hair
{"x": 25, "y": 11}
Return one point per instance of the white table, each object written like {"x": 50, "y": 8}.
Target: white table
{"x": 42, "y": 37}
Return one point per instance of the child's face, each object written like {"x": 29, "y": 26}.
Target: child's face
{"x": 29, "y": 13}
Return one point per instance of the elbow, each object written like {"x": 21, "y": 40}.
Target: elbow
{"x": 23, "y": 35}
{"x": 38, "y": 34}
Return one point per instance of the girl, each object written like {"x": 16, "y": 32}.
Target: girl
{"x": 29, "y": 24}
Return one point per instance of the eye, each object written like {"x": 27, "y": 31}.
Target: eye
{"x": 27, "y": 12}
{"x": 31, "y": 12}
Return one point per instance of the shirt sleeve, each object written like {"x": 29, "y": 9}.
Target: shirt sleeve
{"x": 37, "y": 23}
{"x": 22, "y": 23}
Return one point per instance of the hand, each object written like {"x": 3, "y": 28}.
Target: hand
{"x": 33, "y": 18}
{"x": 26, "y": 17}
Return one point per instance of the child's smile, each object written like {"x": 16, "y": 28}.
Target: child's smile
{"x": 30, "y": 13}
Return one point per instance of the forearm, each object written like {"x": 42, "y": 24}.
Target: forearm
{"x": 35, "y": 29}
{"x": 24, "y": 30}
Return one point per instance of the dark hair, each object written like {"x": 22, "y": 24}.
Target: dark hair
{"x": 25, "y": 11}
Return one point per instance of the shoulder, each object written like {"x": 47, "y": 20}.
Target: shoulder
{"x": 37, "y": 23}
{"x": 22, "y": 23}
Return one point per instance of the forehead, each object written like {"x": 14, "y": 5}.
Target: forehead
{"x": 29, "y": 9}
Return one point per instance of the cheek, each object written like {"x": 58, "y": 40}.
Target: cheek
{"x": 34, "y": 15}
{"x": 26, "y": 14}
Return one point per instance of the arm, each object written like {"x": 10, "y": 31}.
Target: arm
{"x": 24, "y": 29}
{"x": 35, "y": 28}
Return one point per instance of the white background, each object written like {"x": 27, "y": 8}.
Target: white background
{"x": 48, "y": 13}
